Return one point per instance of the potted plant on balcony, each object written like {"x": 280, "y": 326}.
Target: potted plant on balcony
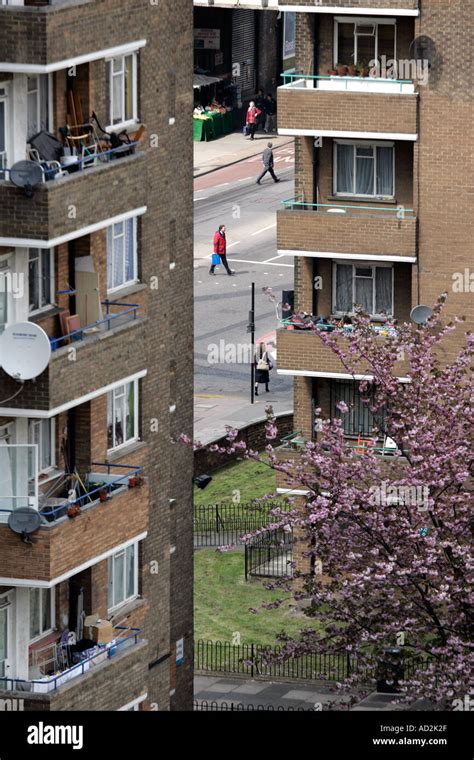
{"x": 73, "y": 510}
{"x": 363, "y": 69}
{"x": 333, "y": 72}
{"x": 352, "y": 70}
{"x": 103, "y": 495}
{"x": 341, "y": 69}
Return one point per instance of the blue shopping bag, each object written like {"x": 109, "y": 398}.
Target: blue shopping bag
{"x": 216, "y": 259}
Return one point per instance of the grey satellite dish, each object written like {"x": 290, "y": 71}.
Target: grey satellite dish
{"x": 27, "y": 175}
{"x": 423, "y": 48}
{"x": 421, "y": 314}
{"x": 24, "y": 521}
{"x": 25, "y": 351}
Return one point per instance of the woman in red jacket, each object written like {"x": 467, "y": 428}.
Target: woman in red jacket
{"x": 220, "y": 248}
{"x": 251, "y": 121}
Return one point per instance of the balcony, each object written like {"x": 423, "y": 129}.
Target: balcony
{"x": 42, "y": 34}
{"x": 302, "y": 352}
{"x": 356, "y": 230}
{"x": 112, "y": 510}
{"x": 343, "y": 106}
{"x": 78, "y": 201}
{"x": 409, "y": 7}
{"x": 69, "y": 689}
{"x": 83, "y": 361}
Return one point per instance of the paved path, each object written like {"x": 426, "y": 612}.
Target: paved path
{"x": 209, "y": 156}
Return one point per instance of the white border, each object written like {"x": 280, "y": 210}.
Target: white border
{"x": 32, "y": 243}
{"x": 296, "y": 132}
{"x": 47, "y": 414}
{"x": 273, "y": 4}
{"x": 78, "y": 569}
{"x": 335, "y": 375}
{"x": 348, "y": 256}
{"x": 97, "y": 55}
{"x": 133, "y": 703}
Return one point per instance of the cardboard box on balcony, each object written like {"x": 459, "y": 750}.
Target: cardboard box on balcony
{"x": 100, "y": 631}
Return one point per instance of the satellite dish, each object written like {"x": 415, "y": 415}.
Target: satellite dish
{"x": 27, "y": 175}
{"x": 423, "y": 48}
{"x": 25, "y": 351}
{"x": 24, "y": 520}
{"x": 421, "y": 314}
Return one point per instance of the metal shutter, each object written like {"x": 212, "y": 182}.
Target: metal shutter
{"x": 243, "y": 52}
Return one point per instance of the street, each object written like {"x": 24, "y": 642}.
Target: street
{"x": 230, "y": 196}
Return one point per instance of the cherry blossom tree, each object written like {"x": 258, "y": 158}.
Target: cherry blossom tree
{"x": 386, "y": 539}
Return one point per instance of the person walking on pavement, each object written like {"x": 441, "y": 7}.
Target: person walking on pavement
{"x": 251, "y": 120}
{"x": 270, "y": 110}
{"x": 267, "y": 159}
{"x": 220, "y": 249}
{"x": 263, "y": 366}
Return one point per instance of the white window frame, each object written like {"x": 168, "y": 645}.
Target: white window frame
{"x": 126, "y": 283}
{"x": 110, "y": 63}
{"x": 34, "y": 422}
{"x": 134, "y": 705}
{"x": 362, "y": 21}
{"x": 111, "y": 577}
{"x": 42, "y": 252}
{"x": 361, "y": 265}
{"x": 4, "y": 99}
{"x": 364, "y": 144}
{"x": 49, "y": 99}
{"x": 52, "y": 605}
{"x": 135, "y": 436}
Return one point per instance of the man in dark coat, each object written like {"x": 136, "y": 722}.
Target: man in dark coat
{"x": 267, "y": 159}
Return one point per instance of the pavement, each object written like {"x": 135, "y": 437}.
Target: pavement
{"x": 229, "y": 149}
{"x": 229, "y": 195}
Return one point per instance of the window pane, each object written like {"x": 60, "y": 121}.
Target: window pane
{"x": 345, "y": 43}
{"x": 110, "y": 570}
{"x": 129, "y": 89}
{"x": 385, "y": 184}
{"x": 3, "y": 640}
{"x": 383, "y": 290}
{"x": 365, "y": 48}
{"x": 345, "y": 169}
{"x": 46, "y": 622}
{"x": 119, "y": 409}
{"x": 344, "y": 288}
{"x": 45, "y": 278}
{"x": 364, "y": 176}
{"x": 386, "y": 40}
{"x": 110, "y": 421}
{"x": 119, "y": 253}
{"x": 130, "y": 571}
{"x": 34, "y": 612}
{"x": 363, "y": 294}
{"x": 32, "y": 107}
{"x": 44, "y": 101}
{"x": 119, "y": 577}
{"x": 46, "y": 445}
{"x": 131, "y": 411}
{"x": 117, "y": 93}
{"x": 110, "y": 258}
{"x": 34, "y": 279}
{"x": 129, "y": 250}
{"x": 3, "y": 306}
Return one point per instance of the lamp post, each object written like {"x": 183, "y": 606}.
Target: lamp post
{"x": 251, "y": 330}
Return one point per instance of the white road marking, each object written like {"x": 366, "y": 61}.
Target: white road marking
{"x": 201, "y": 199}
{"x": 275, "y": 257}
{"x": 249, "y": 261}
{"x": 264, "y": 229}
{"x": 223, "y": 184}
{"x": 237, "y": 242}
{"x": 244, "y": 179}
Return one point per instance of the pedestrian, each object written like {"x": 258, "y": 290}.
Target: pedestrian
{"x": 263, "y": 365}
{"x": 270, "y": 110}
{"x": 251, "y": 120}
{"x": 267, "y": 160}
{"x": 220, "y": 248}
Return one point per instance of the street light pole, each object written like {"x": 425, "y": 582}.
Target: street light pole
{"x": 251, "y": 330}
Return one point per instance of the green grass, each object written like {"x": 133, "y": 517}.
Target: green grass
{"x": 222, "y": 598}
{"x": 252, "y": 479}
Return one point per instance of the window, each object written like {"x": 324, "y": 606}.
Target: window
{"x": 3, "y": 131}
{"x": 122, "y": 415}
{"x": 359, "y": 420}
{"x": 364, "y": 169}
{"x": 123, "y": 89}
{"x": 37, "y": 104}
{"x": 41, "y": 432}
{"x": 364, "y": 40}
{"x": 5, "y": 275}
{"x": 40, "y": 278}
{"x": 121, "y": 254}
{"x": 41, "y": 611}
{"x": 367, "y": 285}
{"x": 123, "y": 576}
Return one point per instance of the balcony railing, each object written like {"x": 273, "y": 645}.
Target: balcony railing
{"x": 368, "y": 84}
{"x": 126, "y": 638}
{"x": 356, "y": 209}
{"x": 53, "y": 170}
{"x": 129, "y": 311}
{"x": 97, "y": 484}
